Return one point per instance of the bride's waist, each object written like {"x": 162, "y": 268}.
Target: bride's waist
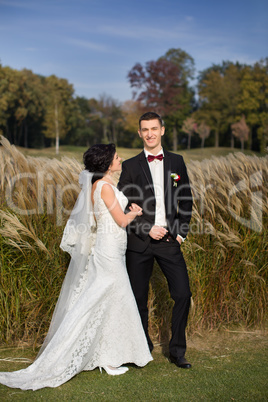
{"x": 111, "y": 242}
{"x": 109, "y": 227}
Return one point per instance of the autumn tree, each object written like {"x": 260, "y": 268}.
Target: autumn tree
{"x": 162, "y": 86}
{"x": 241, "y": 131}
{"x": 157, "y": 86}
{"x": 186, "y": 97}
{"x": 189, "y": 127}
{"x": 131, "y": 111}
{"x": 203, "y": 131}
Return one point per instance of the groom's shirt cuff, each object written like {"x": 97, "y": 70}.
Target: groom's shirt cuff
{"x": 182, "y": 238}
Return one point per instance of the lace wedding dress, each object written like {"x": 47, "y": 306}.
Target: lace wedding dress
{"x": 102, "y": 325}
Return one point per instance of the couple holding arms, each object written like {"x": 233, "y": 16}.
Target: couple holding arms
{"x": 114, "y": 235}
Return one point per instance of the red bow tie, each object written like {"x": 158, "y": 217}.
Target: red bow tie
{"x": 152, "y": 157}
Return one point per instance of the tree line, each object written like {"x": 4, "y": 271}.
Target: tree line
{"x": 228, "y": 107}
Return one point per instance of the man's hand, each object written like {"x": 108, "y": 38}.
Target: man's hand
{"x": 157, "y": 232}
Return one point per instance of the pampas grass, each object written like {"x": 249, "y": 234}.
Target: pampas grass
{"x": 226, "y": 249}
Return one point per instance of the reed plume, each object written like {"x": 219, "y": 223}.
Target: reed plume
{"x": 226, "y": 249}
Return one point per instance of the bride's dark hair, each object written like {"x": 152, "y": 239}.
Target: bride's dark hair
{"x": 98, "y": 158}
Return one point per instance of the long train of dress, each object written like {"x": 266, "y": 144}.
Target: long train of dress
{"x": 102, "y": 327}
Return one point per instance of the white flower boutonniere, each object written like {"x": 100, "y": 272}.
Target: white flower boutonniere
{"x": 175, "y": 177}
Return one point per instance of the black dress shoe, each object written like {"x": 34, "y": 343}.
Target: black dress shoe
{"x": 180, "y": 362}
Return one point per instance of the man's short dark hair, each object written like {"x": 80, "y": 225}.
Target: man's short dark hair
{"x": 151, "y": 116}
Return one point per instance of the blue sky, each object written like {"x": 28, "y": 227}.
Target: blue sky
{"x": 94, "y": 43}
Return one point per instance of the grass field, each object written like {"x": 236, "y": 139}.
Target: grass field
{"x": 126, "y": 153}
{"x": 227, "y": 366}
{"x": 227, "y": 260}
{"x": 227, "y": 267}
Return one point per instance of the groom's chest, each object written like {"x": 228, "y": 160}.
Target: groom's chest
{"x": 153, "y": 180}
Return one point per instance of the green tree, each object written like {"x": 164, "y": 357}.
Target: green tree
{"x": 210, "y": 89}
{"x": 8, "y": 97}
{"x": 261, "y": 74}
{"x": 30, "y": 102}
{"x": 21, "y": 103}
{"x": 249, "y": 99}
{"x": 107, "y": 111}
{"x": 230, "y": 90}
{"x": 82, "y": 130}
{"x": 218, "y": 90}
{"x": 263, "y": 132}
{"x": 116, "y": 120}
{"x": 253, "y": 100}
{"x": 58, "y": 105}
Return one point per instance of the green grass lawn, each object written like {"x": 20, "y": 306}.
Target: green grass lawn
{"x": 226, "y": 367}
{"x": 126, "y": 153}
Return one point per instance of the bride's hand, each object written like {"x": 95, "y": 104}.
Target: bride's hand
{"x": 136, "y": 209}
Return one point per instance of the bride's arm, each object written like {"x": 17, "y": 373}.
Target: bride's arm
{"x": 111, "y": 202}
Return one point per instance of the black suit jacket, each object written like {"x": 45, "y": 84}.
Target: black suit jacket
{"x": 136, "y": 183}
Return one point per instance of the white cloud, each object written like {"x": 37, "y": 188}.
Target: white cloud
{"x": 88, "y": 45}
{"x": 141, "y": 32}
{"x": 135, "y": 32}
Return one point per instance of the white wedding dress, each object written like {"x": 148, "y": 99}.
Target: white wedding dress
{"x": 102, "y": 325}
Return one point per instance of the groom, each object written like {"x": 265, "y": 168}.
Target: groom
{"x": 157, "y": 180}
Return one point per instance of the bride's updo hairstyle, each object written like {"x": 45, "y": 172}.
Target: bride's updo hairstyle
{"x": 98, "y": 158}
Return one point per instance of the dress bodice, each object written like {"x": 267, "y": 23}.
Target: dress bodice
{"x": 100, "y": 210}
{"x": 111, "y": 238}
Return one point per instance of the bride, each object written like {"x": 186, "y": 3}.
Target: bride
{"x": 96, "y": 322}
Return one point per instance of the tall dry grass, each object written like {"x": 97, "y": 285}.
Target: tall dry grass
{"x": 227, "y": 260}
{"x": 226, "y": 250}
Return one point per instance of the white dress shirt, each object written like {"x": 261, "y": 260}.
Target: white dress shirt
{"x": 157, "y": 172}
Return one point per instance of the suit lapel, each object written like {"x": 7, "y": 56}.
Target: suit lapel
{"x": 167, "y": 171}
{"x": 146, "y": 170}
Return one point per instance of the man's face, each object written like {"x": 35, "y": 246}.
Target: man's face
{"x": 151, "y": 133}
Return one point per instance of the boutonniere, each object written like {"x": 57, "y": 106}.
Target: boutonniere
{"x": 175, "y": 177}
